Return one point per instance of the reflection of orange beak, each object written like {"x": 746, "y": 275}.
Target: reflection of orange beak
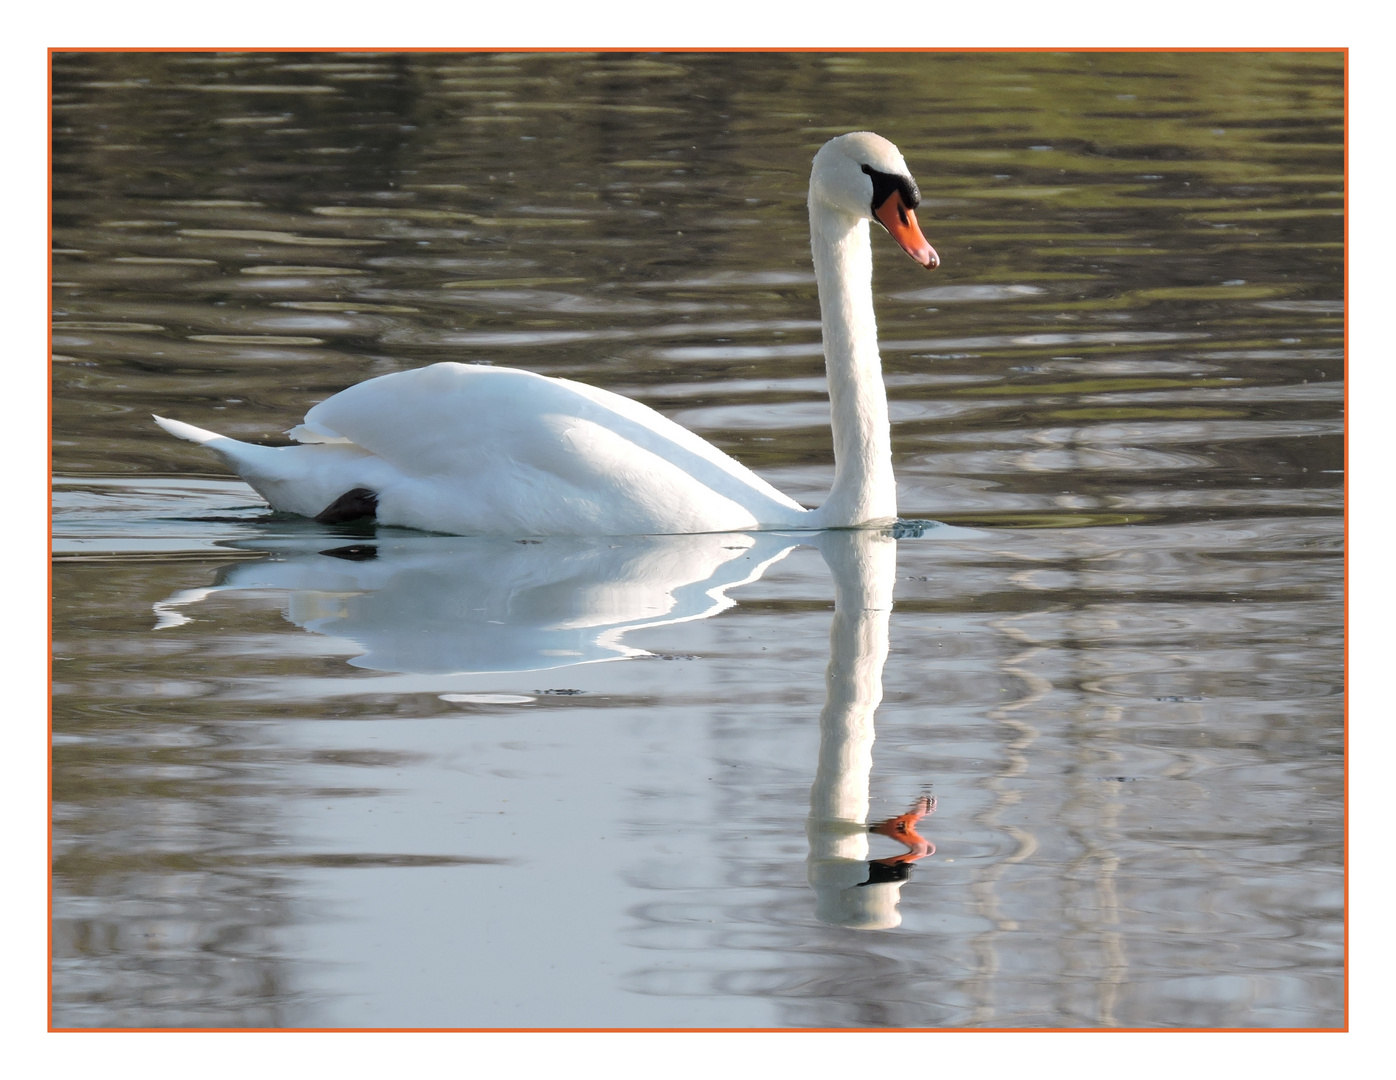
{"x": 900, "y": 220}
{"x": 903, "y": 829}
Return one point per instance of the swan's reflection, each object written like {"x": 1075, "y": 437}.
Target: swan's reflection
{"x": 437, "y": 605}
{"x": 849, "y": 889}
{"x": 454, "y": 605}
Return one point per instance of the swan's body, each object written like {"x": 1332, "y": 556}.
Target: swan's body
{"x": 469, "y": 449}
{"x": 496, "y": 450}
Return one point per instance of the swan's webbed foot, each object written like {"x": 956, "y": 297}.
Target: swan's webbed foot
{"x": 352, "y": 505}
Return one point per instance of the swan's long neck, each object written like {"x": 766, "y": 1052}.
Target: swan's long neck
{"x": 864, "y": 491}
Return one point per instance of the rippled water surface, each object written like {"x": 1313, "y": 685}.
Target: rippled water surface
{"x": 314, "y": 776}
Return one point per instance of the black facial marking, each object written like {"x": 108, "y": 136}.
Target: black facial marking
{"x": 886, "y": 183}
{"x": 352, "y": 505}
{"x": 879, "y": 873}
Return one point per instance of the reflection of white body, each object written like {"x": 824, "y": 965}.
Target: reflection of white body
{"x": 472, "y": 450}
{"x": 439, "y": 605}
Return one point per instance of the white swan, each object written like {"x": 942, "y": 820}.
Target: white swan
{"x": 470, "y": 449}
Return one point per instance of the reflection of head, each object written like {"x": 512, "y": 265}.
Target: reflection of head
{"x": 864, "y": 895}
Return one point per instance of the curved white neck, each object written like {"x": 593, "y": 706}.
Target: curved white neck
{"x": 864, "y": 491}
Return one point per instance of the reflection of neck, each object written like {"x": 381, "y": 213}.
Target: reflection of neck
{"x": 864, "y": 565}
{"x": 864, "y": 489}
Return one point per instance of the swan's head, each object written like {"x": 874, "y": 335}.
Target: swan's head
{"x": 864, "y": 175}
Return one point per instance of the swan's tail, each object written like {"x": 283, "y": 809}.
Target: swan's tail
{"x": 263, "y": 467}
{"x": 194, "y": 434}
{"x": 306, "y": 480}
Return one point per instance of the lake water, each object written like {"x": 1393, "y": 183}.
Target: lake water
{"x": 307, "y": 776}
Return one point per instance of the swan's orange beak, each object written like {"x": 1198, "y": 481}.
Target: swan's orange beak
{"x": 900, "y": 220}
